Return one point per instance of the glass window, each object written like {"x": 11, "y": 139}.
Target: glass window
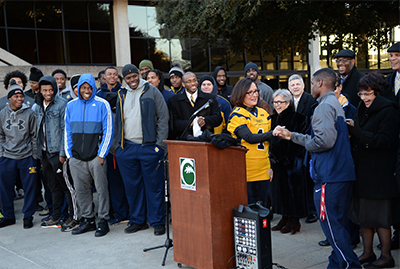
{"x": 198, "y": 55}
{"x": 2, "y": 13}
{"x": 77, "y": 47}
{"x": 99, "y": 16}
{"x": 48, "y": 15}
{"x": 75, "y": 15}
{"x": 178, "y": 53}
{"x": 218, "y": 55}
{"x": 144, "y": 18}
{"x": 161, "y": 58}
{"x": 3, "y": 39}
{"x": 102, "y": 52}
{"x": 50, "y": 47}
{"x": 20, "y": 14}
{"x": 22, "y": 44}
{"x": 138, "y": 50}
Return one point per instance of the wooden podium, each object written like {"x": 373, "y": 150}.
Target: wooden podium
{"x": 213, "y": 182}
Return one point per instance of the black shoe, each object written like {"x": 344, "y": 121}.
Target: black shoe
{"x": 102, "y": 228}
{"x": 311, "y": 218}
{"x": 39, "y": 207}
{"x": 388, "y": 264}
{"x": 6, "y": 222}
{"x": 28, "y": 223}
{"x": 159, "y": 229}
{"x": 86, "y": 225}
{"x": 369, "y": 259}
{"x": 134, "y": 227}
{"x": 324, "y": 243}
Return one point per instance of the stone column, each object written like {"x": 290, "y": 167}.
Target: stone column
{"x": 121, "y": 32}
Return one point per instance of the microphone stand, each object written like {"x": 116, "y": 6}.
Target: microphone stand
{"x": 168, "y": 241}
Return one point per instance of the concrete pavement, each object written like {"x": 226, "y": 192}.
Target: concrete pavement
{"x": 50, "y": 248}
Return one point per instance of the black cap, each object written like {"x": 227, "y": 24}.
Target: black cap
{"x": 14, "y": 88}
{"x": 36, "y": 74}
{"x": 74, "y": 81}
{"x": 346, "y": 53}
{"x": 394, "y": 48}
{"x": 128, "y": 69}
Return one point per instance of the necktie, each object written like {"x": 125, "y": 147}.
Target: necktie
{"x": 397, "y": 84}
{"x": 296, "y": 103}
{"x": 192, "y": 100}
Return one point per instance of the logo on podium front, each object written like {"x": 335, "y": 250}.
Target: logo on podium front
{"x": 188, "y": 174}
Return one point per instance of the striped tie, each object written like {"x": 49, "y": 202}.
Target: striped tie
{"x": 397, "y": 84}
{"x": 192, "y": 100}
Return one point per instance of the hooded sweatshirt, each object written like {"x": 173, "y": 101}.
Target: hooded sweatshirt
{"x": 223, "y": 90}
{"x": 17, "y": 133}
{"x": 88, "y": 125}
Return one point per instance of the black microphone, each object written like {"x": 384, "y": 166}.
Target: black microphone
{"x": 205, "y": 106}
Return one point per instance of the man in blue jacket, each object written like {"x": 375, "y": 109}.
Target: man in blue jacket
{"x": 88, "y": 136}
{"x": 49, "y": 111}
{"x": 332, "y": 167}
{"x": 141, "y": 127}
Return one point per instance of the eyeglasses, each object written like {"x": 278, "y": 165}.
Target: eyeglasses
{"x": 364, "y": 94}
{"x": 253, "y": 92}
{"x": 345, "y": 60}
{"x": 279, "y": 102}
{"x": 190, "y": 81}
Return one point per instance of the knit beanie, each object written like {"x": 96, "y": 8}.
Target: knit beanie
{"x": 147, "y": 63}
{"x": 74, "y": 81}
{"x": 36, "y": 74}
{"x": 128, "y": 69}
{"x": 59, "y": 71}
{"x": 14, "y": 88}
{"x": 176, "y": 71}
{"x": 250, "y": 65}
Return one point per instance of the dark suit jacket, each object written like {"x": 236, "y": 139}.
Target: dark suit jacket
{"x": 350, "y": 86}
{"x": 305, "y": 103}
{"x": 181, "y": 110}
{"x": 389, "y": 92}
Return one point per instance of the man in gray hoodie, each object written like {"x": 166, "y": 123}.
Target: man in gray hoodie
{"x": 17, "y": 156}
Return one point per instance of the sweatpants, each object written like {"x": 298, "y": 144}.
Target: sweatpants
{"x": 84, "y": 174}
{"x": 52, "y": 171}
{"x": 144, "y": 185}
{"x": 336, "y": 223}
{"x": 119, "y": 202}
{"x": 10, "y": 169}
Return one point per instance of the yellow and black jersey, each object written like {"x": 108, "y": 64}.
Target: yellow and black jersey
{"x": 258, "y": 122}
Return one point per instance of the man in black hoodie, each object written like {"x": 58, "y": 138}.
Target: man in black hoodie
{"x": 224, "y": 89}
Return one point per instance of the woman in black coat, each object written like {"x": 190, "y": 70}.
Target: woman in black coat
{"x": 288, "y": 185}
{"x": 376, "y": 130}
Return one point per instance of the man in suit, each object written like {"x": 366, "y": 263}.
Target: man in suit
{"x": 394, "y": 81}
{"x": 303, "y": 102}
{"x": 182, "y": 107}
{"x": 345, "y": 61}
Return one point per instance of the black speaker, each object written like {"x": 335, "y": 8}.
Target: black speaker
{"x": 252, "y": 235}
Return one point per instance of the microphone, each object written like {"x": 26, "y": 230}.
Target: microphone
{"x": 205, "y": 106}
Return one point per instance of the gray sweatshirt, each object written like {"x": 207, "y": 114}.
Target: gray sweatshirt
{"x": 17, "y": 133}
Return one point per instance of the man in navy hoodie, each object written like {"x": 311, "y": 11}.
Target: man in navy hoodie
{"x": 332, "y": 167}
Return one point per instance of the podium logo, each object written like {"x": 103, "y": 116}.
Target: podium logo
{"x": 188, "y": 174}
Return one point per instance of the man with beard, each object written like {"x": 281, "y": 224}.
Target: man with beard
{"x": 345, "y": 61}
{"x": 251, "y": 71}
{"x": 224, "y": 89}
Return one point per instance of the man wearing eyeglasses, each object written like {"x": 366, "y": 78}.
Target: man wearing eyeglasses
{"x": 182, "y": 106}
{"x": 345, "y": 61}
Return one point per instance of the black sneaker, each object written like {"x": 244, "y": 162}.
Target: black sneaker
{"x": 6, "y": 222}
{"x": 86, "y": 225}
{"x": 102, "y": 228}
{"x": 134, "y": 227}
{"x": 28, "y": 223}
{"x": 159, "y": 229}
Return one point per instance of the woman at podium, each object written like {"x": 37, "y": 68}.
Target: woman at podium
{"x": 252, "y": 125}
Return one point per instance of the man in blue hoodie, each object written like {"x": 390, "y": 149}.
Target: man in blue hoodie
{"x": 88, "y": 136}
{"x": 17, "y": 156}
{"x": 332, "y": 167}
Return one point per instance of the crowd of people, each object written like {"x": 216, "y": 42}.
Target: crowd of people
{"x": 332, "y": 155}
